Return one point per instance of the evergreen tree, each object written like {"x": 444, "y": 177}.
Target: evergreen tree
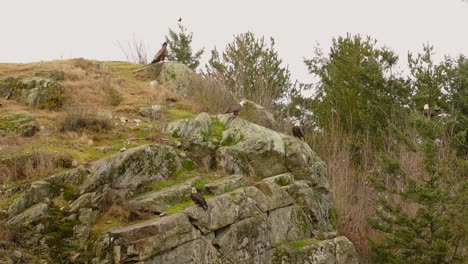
{"x": 435, "y": 229}
{"x": 357, "y": 88}
{"x": 458, "y": 103}
{"x": 251, "y": 68}
{"x": 431, "y": 82}
{"x": 180, "y": 49}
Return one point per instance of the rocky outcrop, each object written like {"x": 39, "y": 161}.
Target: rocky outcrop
{"x": 35, "y": 92}
{"x": 125, "y": 171}
{"x": 159, "y": 201}
{"x": 154, "y": 112}
{"x": 258, "y": 114}
{"x": 338, "y": 250}
{"x": 242, "y": 147}
{"x": 21, "y": 123}
{"x": 254, "y": 224}
{"x": 273, "y": 206}
{"x": 175, "y": 74}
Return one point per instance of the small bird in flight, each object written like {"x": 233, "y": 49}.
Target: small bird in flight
{"x": 180, "y": 19}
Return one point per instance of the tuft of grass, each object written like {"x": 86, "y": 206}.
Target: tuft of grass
{"x": 186, "y": 202}
{"x": 282, "y": 181}
{"x": 80, "y": 119}
{"x": 176, "y": 114}
{"x": 298, "y": 244}
{"x": 179, "y": 206}
{"x": 113, "y": 97}
{"x": 21, "y": 163}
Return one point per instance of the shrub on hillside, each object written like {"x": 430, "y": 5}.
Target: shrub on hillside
{"x": 210, "y": 94}
{"x": 78, "y": 119}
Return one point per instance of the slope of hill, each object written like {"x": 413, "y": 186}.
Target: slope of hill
{"x": 104, "y": 170}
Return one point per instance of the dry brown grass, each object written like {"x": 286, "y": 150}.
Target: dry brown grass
{"x": 210, "y": 95}
{"x": 353, "y": 196}
{"x": 78, "y": 119}
{"x": 21, "y": 163}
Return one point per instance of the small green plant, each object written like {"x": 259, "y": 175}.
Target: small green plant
{"x": 283, "y": 181}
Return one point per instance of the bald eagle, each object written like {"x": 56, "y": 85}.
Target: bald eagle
{"x": 198, "y": 199}
{"x": 431, "y": 112}
{"x": 161, "y": 55}
{"x": 235, "y": 108}
{"x": 297, "y": 132}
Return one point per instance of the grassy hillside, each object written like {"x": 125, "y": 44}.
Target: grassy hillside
{"x": 97, "y": 97}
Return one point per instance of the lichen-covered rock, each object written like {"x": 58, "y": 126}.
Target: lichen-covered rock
{"x": 21, "y": 123}
{"x": 257, "y": 114}
{"x": 73, "y": 177}
{"x": 178, "y": 75}
{"x": 35, "y": 92}
{"x": 175, "y": 74}
{"x": 160, "y": 201}
{"x": 315, "y": 203}
{"x": 36, "y": 193}
{"x": 30, "y": 216}
{"x": 225, "y": 184}
{"x": 154, "y": 111}
{"x": 143, "y": 241}
{"x": 125, "y": 171}
{"x": 225, "y": 209}
{"x": 334, "y": 251}
{"x": 243, "y": 240}
{"x": 194, "y": 134}
{"x": 240, "y": 226}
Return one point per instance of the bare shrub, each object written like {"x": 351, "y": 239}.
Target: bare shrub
{"x": 210, "y": 94}
{"x": 82, "y": 63}
{"x": 77, "y": 119}
{"x": 352, "y": 194}
{"x": 135, "y": 51}
{"x": 30, "y": 164}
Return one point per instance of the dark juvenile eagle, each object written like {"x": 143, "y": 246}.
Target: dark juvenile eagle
{"x": 297, "y": 131}
{"x": 235, "y": 108}
{"x": 161, "y": 55}
{"x": 198, "y": 199}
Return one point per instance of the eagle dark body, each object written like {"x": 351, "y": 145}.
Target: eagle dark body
{"x": 297, "y": 132}
{"x": 199, "y": 200}
{"x": 234, "y": 108}
{"x": 161, "y": 55}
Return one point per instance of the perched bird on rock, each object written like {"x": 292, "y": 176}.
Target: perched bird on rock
{"x": 297, "y": 131}
{"x": 235, "y": 108}
{"x": 161, "y": 55}
{"x": 198, "y": 199}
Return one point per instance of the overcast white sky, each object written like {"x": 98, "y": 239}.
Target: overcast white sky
{"x": 33, "y": 30}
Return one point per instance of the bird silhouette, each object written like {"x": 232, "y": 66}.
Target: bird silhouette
{"x": 180, "y": 19}
{"x": 161, "y": 55}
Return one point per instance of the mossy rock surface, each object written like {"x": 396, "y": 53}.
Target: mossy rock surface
{"x": 21, "y": 123}
{"x": 35, "y": 92}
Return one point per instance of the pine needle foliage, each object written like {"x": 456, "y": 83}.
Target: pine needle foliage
{"x": 180, "y": 48}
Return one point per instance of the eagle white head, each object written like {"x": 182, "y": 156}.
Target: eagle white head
{"x": 194, "y": 190}
{"x": 426, "y": 107}
{"x": 242, "y": 102}
{"x": 297, "y": 123}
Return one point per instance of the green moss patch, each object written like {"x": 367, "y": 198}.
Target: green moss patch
{"x": 176, "y": 114}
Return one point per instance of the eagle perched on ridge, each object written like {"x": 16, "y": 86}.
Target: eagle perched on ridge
{"x": 198, "y": 199}
{"x": 161, "y": 55}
